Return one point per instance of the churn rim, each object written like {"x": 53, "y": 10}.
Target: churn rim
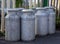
{"x": 27, "y": 10}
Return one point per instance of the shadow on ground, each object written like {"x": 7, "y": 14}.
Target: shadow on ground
{"x": 49, "y": 39}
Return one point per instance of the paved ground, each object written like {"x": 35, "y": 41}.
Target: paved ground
{"x": 49, "y": 39}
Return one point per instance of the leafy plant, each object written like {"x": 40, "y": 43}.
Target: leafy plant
{"x": 19, "y": 3}
{"x": 57, "y": 22}
{"x": 2, "y": 34}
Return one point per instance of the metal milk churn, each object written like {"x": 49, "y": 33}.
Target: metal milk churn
{"x": 28, "y": 25}
{"x": 35, "y": 20}
{"x": 34, "y": 9}
{"x": 12, "y": 26}
{"x": 50, "y": 11}
{"x": 41, "y": 21}
{"x": 20, "y": 11}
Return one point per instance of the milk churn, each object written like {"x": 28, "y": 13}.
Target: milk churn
{"x": 28, "y": 25}
{"x": 42, "y": 21}
{"x": 19, "y": 11}
{"x": 35, "y": 20}
{"x": 12, "y": 26}
{"x": 50, "y": 11}
{"x": 34, "y": 9}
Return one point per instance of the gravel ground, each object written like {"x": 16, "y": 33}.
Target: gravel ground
{"x": 49, "y": 39}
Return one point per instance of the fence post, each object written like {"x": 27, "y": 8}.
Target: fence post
{"x": 56, "y": 6}
{"x": 14, "y": 1}
{"x": 26, "y": 4}
{"x": 38, "y": 3}
{"x": 34, "y": 3}
{"x": 41, "y": 3}
{"x": 2, "y": 15}
{"x": 56, "y": 3}
{"x": 8, "y": 3}
{"x": 30, "y": 3}
{"x": 50, "y": 2}
{"x": 58, "y": 10}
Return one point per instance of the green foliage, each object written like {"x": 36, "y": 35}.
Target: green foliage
{"x": 45, "y": 2}
{"x": 57, "y": 22}
{"x": 19, "y": 3}
{"x": 2, "y": 34}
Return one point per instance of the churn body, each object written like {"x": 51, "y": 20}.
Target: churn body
{"x": 12, "y": 26}
{"x": 52, "y": 17}
{"x": 27, "y": 25}
{"x": 42, "y": 21}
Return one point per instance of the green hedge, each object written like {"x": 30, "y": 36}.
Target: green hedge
{"x": 2, "y": 34}
{"x": 57, "y": 22}
{"x": 19, "y": 2}
{"x": 45, "y": 2}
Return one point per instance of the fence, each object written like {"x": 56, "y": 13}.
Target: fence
{"x": 56, "y": 4}
{"x": 30, "y": 4}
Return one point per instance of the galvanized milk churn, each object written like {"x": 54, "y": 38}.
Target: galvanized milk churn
{"x": 20, "y": 11}
{"x": 12, "y": 26}
{"x": 28, "y": 25}
{"x": 42, "y": 21}
{"x": 50, "y": 11}
{"x": 35, "y": 20}
{"x": 34, "y": 9}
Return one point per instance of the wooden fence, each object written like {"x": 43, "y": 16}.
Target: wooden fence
{"x": 35, "y": 3}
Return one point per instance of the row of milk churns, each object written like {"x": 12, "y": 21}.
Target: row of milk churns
{"x": 24, "y": 24}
